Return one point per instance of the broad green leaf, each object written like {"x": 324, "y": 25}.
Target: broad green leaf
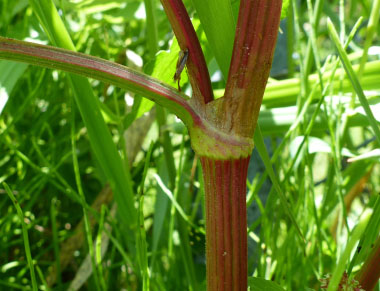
{"x": 219, "y": 25}
{"x": 260, "y": 284}
{"x": 163, "y": 68}
{"x": 285, "y": 7}
{"x": 10, "y": 73}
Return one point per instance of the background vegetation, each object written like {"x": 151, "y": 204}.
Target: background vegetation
{"x": 47, "y": 161}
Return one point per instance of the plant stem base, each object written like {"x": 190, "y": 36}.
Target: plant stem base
{"x": 226, "y": 223}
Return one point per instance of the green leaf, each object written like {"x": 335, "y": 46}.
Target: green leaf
{"x": 163, "y": 68}
{"x": 285, "y": 8}
{"x": 219, "y": 25}
{"x": 353, "y": 78}
{"x": 260, "y": 284}
{"x": 10, "y": 73}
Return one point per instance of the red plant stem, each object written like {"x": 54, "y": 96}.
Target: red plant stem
{"x": 255, "y": 40}
{"x": 226, "y": 223}
{"x": 187, "y": 39}
{"x": 102, "y": 70}
{"x": 369, "y": 275}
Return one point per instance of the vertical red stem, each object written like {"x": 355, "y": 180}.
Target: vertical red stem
{"x": 369, "y": 275}
{"x": 226, "y": 223}
{"x": 255, "y": 40}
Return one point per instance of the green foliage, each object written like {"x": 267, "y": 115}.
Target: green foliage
{"x": 320, "y": 138}
{"x": 285, "y": 8}
{"x": 219, "y": 25}
{"x": 259, "y": 284}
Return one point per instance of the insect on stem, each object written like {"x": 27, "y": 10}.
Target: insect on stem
{"x": 182, "y": 59}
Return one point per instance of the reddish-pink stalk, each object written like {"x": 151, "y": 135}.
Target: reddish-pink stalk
{"x": 187, "y": 39}
{"x": 226, "y": 223}
{"x": 255, "y": 39}
{"x": 237, "y": 114}
{"x": 225, "y": 162}
{"x": 369, "y": 274}
{"x": 100, "y": 69}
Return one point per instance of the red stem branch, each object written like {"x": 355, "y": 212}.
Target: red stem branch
{"x": 100, "y": 69}
{"x": 255, "y": 40}
{"x": 226, "y": 223}
{"x": 187, "y": 39}
{"x": 369, "y": 275}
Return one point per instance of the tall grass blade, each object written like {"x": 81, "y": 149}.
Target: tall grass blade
{"x": 53, "y": 217}
{"x": 87, "y": 227}
{"x": 141, "y": 235}
{"x": 354, "y": 79}
{"x": 24, "y": 235}
{"x": 260, "y": 146}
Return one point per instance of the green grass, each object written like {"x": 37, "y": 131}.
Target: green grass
{"x": 65, "y": 139}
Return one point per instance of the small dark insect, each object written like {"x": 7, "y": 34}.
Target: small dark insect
{"x": 182, "y": 59}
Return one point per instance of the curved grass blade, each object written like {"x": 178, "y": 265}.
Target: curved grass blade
{"x": 354, "y": 79}
{"x": 24, "y": 235}
{"x": 259, "y": 143}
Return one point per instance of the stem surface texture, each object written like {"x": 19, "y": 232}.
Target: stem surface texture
{"x": 226, "y": 223}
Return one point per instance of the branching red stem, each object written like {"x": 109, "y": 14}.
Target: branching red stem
{"x": 187, "y": 39}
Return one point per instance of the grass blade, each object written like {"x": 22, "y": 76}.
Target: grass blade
{"x": 354, "y": 79}
{"x": 260, "y": 146}
{"x": 175, "y": 203}
{"x": 24, "y": 235}
{"x": 53, "y": 215}
{"x": 141, "y": 235}
{"x": 219, "y": 25}
{"x": 87, "y": 226}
